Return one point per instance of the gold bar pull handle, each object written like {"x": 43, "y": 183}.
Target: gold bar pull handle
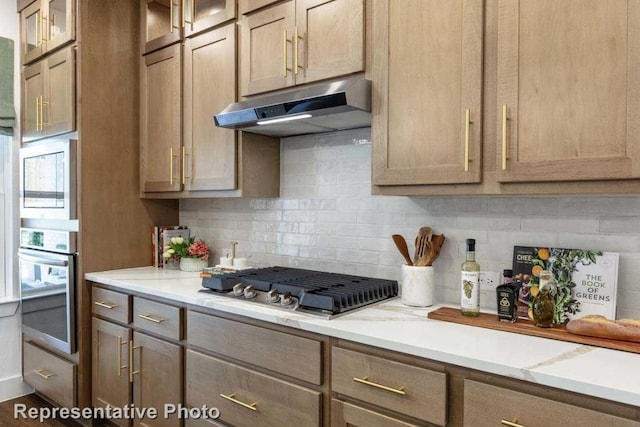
{"x": 131, "y": 371}
{"x": 172, "y": 155}
{"x": 184, "y": 165}
{"x": 296, "y": 37}
{"x": 511, "y": 423}
{"x": 38, "y": 28}
{"x": 365, "y": 381}
{"x": 467, "y": 125}
{"x": 105, "y": 304}
{"x": 285, "y": 40}
{"x": 505, "y": 118}
{"x": 193, "y": 12}
{"x": 184, "y": 15}
{"x": 37, "y": 113}
{"x": 120, "y": 366}
{"x": 43, "y": 373}
{"x": 42, "y": 105}
{"x": 151, "y": 318}
{"x": 171, "y": 16}
{"x": 43, "y": 30}
{"x": 231, "y": 397}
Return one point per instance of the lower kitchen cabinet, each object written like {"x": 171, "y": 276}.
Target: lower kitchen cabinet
{"x": 488, "y": 406}
{"x": 249, "y": 398}
{"x": 345, "y": 414}
{"x": 49, "y": 374}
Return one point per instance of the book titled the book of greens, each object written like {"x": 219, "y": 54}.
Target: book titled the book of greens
{"x": 586, "y": 281}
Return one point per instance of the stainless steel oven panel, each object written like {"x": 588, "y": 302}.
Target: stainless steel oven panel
{"x": 67, "y": 150}
{"x": 48, "y": 240}
{"x": 47, "y": 294}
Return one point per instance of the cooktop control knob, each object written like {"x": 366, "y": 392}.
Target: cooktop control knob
{"x": 272, "y": 296}
{"x": 238, "y": 290}
{"x": 286, "y": 299}
{"x": 249, "y": 292}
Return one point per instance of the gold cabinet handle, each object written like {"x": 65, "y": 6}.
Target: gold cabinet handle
{"x": 38, "y": 28}
{"x": 467, "y": 125}
{"x": 284, "y": 54}
{"x": 43, "y": 373}
{"x": 296, "y": 37}
{"x": 120, "y": 366}
{"x": 193, "y": 13}
{"x": 37, "y": 113}
{"x": 42, "y": 105}
{"x": 184, "y": 165}
{"x": 505, "y": 118}
{"x": 150, "y": 318}
{"x": 42, "y": 30}
{"x": 184, "y": 16}
{"x": 171, "y": 157}
{"x": 511, "y": 423}
{"x": 231, "y": 398}
{"x": 366, "y": 381}
{"x": 171, "y": 4}
{"x": 105, "y": 305}
{"x": 131, "y": 371}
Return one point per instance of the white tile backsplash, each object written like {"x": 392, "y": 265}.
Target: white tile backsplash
{"x": 327, "y": 219}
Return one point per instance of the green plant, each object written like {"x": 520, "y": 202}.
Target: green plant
{"x": 179, "y": 247}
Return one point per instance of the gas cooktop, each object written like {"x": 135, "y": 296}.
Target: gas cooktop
{"x": 314, "y": 292}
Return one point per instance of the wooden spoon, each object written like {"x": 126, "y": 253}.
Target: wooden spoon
{"x": 401, "y": 244}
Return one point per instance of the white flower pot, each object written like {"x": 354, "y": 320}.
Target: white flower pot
{"x": 192, "y": 264}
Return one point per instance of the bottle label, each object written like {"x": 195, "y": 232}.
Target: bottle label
{"x": 470, "y": 283}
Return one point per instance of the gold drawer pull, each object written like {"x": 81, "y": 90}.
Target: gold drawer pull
{"x": 505, "y": 156}
{"x": 120, "y": 366}
{"x": 150, "y": 318}
{"x": 105, "y": 305}
{"x": 43, "y": 373}
{"x": 467, "y": 123}
{"x": 511, "y": 423}
{"x": 131, "y": 371}
{"x": 366, "y": 381}
{"x": 231, "y": 398}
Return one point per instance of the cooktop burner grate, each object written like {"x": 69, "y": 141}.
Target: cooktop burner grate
{"x": 315, "y": 290}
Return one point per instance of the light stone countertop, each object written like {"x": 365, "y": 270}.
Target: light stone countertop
{"x": 608, "y": 374}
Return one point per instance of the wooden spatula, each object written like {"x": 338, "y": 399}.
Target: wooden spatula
{"x": 401, "y": 244}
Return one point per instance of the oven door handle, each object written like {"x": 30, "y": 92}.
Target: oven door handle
{"x": 42, "y": 260}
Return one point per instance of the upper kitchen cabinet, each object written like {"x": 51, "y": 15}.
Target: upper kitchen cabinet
{"x": 301, "y": 41}
{"x": 45, "y": 26}
{"x": 48, "y": 96}
{"x": 568, "y": 88}
{"x": 165, "y": 22}
{"x": 427, "y": 110}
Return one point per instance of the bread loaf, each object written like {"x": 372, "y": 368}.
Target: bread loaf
{"x": 600, "y": 326}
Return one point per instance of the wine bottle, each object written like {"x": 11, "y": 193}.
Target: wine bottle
{"x": 470, "y": 282}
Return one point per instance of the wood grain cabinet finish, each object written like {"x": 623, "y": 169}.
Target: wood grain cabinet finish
{"x": 111, "y": 304}
{"x": 161, "y": 142}
{"x": 259, "y": 346}
{"x": 110, "y": 366}
{"x": 250, "y": 398}
{"x": 158, "y": 378}
{"x": 48, "y": 94}
{"x": 345, "y": 414}
{"x": 301, "y": 41}
{"x": 427, "y": 109}
{"x": 49, "y": 374}
{"x": 487, "y": 406}
{"x": 209, "y": 156}
{"x": 409, "y": 390}
{"x": 157, "y": 318}
{"x": 45, "y": 25}
{"x": 202, "y": 15}
{"x": 568, "y": 77}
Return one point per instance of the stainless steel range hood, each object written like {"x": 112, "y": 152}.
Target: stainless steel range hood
{"x": 321, "y": 107}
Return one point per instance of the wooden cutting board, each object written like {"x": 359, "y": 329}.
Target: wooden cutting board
{"x": 526, "y": 327}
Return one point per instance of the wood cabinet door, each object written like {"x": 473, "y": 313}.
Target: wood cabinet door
{"x": 330, "y": 39}
{"x": 267, "y": 49}
{"x": 159, "y": 380}
{"x": 161, "y": 117}
{"x": 59, "y": 27}
{"x": 58, "y": 107}
{"x": 32, "y": 91}
{"x": 209, "y": 157}
{"x": 204, "y": 14}
{"x": 161, "y": 23}
{"x": 427, "y": 66}
{"x": 31, "y": 39}
{"x": 110, "y": 366}
{"x": 347, "y": 415}
{"x": 569, "y": 75}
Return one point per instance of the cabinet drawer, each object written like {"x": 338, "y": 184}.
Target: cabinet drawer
{"x": 158, "y": 318}
{"x": 413, "y": 391}
{"x": 252, "y": 399}
{"x": 279, "y": 352}
{"x": 487, "y": 406}
{"x": 345, "y": 414}
{"x": 50, "y": 375}
{"x": 111, "y": 305}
